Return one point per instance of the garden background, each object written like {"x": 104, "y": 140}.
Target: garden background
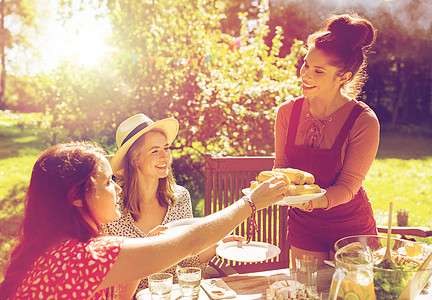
{"x": 219, "y": 67}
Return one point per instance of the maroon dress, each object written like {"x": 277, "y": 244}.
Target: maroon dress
{"x": 320, "y": 229}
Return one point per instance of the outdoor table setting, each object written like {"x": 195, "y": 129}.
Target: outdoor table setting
{"x": 256, "y": 285}
{"x": 247, "y": 286}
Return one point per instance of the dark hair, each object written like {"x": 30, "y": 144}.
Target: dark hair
{"x": 61, "y": 175}
{"x": 346, "y": 39}
{"x": 128, "y": 180}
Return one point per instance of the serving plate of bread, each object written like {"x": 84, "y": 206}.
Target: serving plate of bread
{"x": 301, "y": 185}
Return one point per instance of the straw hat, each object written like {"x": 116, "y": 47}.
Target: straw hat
{"x": 134, "y": 127}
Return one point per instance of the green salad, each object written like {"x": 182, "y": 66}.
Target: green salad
{"x": 388, "y": 284}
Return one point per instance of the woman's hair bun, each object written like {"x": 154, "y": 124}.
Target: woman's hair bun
{"x": 352, "y": 29}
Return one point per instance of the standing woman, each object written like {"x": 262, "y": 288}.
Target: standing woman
{"x": 142, "y": 165}
{"x": 330, "y": 134}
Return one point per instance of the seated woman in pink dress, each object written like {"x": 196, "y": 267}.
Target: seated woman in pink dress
{"x": 61, "y": 253}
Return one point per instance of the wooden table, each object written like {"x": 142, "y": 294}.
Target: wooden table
{"x": 253, "y": 286}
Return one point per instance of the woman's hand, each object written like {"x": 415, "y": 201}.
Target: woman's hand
{"x": 229, "y": 238}
{"x": 268, "y": 192}
{"x": 157, "y": 231}
{"x": 232, "y": 238}
{"x": 307, "y": 206}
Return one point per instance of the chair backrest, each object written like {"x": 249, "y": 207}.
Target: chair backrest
{"x": 225, "y": 177}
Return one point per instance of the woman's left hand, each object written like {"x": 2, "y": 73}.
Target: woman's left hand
{"x": 307, "y": 206}
{"x": 232, "y": 238}
{"x": 157, "y": 231}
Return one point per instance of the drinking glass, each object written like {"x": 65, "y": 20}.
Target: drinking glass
{"x": 160, "y": 286}
{"x": 189, "y": 282}
{"x": 307, "y": 270}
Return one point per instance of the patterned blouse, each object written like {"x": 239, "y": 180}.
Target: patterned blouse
{"x": 182, "y": 209}
{"x": 72, "y": 270}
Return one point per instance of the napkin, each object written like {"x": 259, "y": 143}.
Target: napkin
{"x": 217, "y": 289}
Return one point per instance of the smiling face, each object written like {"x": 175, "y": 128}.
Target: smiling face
{"x": 319, "y": 77}
{"x": 154, "y": 158}
{"x": 103, "y": 198}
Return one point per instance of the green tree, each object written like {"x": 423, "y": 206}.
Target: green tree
{"x": 172, "y": 59}
{"x": 19, "y": 14}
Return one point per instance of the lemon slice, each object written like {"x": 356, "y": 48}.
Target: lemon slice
{"x": 351, "y": 296}
{"x": 413, "y": 249}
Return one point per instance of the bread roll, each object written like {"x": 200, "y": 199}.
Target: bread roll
{"x": 296, "y": 176}
{"x": 303, "y": 189}
{"x": 253, "y": 185}
{"x": 309, "y": 178}
{"x": 265, "y": 175}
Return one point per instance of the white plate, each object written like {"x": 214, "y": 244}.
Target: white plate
{"x": 293, "y": 199}
{"x": 252, "y": 252}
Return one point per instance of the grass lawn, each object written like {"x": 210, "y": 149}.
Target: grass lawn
{"x": 402, "y": 173}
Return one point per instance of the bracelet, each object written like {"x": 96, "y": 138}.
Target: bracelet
{"x": 253, "y": 227}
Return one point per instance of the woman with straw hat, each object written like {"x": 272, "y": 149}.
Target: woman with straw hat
{"x": 142, "y": 165}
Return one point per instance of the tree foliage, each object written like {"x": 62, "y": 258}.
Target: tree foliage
{"x": 172, "y": 59}
{"x": 16, "y": 16}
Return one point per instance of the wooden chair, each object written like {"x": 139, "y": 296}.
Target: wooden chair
{"x": 225, "y": 177}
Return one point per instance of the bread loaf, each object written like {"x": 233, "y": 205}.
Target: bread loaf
{"x": 298, "y": 182}
{"x": 302, "y": 189}
{"x": 296, "y": 176}
{"x": 265, "y": 175}
{"x": 309, "y": 178}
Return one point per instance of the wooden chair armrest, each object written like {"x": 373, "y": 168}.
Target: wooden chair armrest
{"x": 404, "y": 231}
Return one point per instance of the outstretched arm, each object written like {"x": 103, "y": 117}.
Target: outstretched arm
{"x": 139, "y": 258}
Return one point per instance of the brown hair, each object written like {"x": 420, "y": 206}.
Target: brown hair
{"x": 129, "y": 180}
{"x": 347, "y": 39}
{"x": 61, "y": 175}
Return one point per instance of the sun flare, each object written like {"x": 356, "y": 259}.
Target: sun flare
{"x": 88, "y": 46}
{"x": 80, "y": 40}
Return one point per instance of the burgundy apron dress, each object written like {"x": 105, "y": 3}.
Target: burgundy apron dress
{"x": 320, "y": 229}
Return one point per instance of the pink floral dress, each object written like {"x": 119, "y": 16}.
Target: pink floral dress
{"x": 72, "y": 270}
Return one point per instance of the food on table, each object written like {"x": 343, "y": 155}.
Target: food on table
{"x": 288, "y": 289}
{"x": 217, "y": 289}
{"x": 413, "y": 249}
{"x": 396, "y": 257}
{"x": 389, "y": 284}
{"x": 298, "y": 182}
